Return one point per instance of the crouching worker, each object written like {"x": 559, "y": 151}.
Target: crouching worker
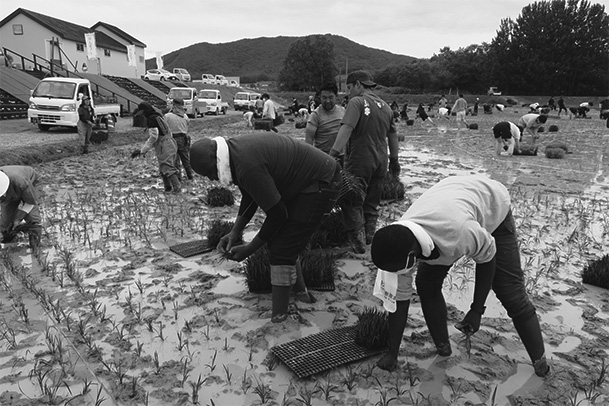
{"x": 164, "y": 145}
{"x": 18, "y": 203}
{"x": 507, "y": 135}
{"x": 459, "y": 216}
{"x": 294, "y": 183}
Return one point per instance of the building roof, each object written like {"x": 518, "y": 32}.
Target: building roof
{"x": 67, "y": 30}
{"x": 120, "y": 33}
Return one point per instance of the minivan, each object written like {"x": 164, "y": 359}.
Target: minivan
{"x": 208, "y": 79}
{"x": 182, "y": 74}
{"x": 221, "y": 80}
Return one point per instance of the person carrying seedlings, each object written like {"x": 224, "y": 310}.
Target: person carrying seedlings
{"x": 164, "y": 145}
{"x": 177, "y": 121}
{"x": 294, "y": 183}
{"x": 19, "y": 203}
{"x": 531, "y": 123}
{"x": 459, "y": 216}
{"x": 368, "y": 128}
{"x": 460, "y": 109}
{"x": 507, "y": 134}
{"x": 324, "y": 122}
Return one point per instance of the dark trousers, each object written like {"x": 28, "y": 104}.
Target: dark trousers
{"x": 85, "y": 130}
{"x": 508, "y": 286}
{"x": 305, "y": 214}
{"x": 183, "y": 143}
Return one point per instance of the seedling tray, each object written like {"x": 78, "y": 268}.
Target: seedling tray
{"x": 324, "y": 287}
{"x": 191, "y": 248}
{"x": 322, "y": 351}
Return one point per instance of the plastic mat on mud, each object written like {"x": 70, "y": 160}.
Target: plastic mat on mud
{"x": 191, "y": 248}
{"x": 322, "y": 351}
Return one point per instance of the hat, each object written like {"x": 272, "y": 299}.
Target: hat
{"x": 178, "y": 102}
{"x": 85, "y": 97}
{"x": 4, "y": 182}
{"x": 390, "y": 244}
{"x": 362, "y": 76}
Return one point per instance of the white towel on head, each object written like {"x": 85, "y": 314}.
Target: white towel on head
{"x": 420, "y": 234}
{"x": 223, "y": 161}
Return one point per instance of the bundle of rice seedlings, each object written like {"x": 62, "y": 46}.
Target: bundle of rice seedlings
{"x": 555, "y": 153}
{"x": 393, "y": 188}
{"x": 318, "y": 267}
{"x": 401, "y": 137}
{"x": 597, "y": 272}
{"x": 372, "y": 329}
{"x": 352, "y": 188}
{"x": 258, "y": 271}
{"x": 331, "y": 231}
{"x": 558, "y": 144}
{"x": 553, "y": 128}
{"x": 218, "y": 229}
{"x": 473, "y": 126}
{"x": 541, "y": 129}
{"x": 526, "y": 150}
{"x": 220, "y": 196}
{"x": 410, "y": 122}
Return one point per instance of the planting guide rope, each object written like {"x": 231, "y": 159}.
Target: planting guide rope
{"x": 57, "y": 327}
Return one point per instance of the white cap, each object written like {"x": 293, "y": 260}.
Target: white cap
{"x": 4, "y": 181}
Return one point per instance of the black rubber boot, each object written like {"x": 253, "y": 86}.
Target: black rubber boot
{"x": 530, "y": 333}
{"x": 166, "y": 183}
{"x": 397, "y": 324}
{"x": 281, "y": 299}
{"x": 176, "y": 185}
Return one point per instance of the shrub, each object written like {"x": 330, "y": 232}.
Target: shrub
{"x": 597, "y": 272}
{"x": 218, "y": 229}
{"x": 372, "y": 329}
{"x": 393, "y": 188}
{"x": 555, "y": 153}
{"x": 220, "y": 196}
{"x": 553, "y": 128}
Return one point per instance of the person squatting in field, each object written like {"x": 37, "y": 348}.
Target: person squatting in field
{"x": 19, "y": 203}
{"x": 294, "y": 183}
{"x": 177, "y": 121}
{"x": 507, "y": 135}
{"x": 459, "y": 216}
{"x": 531, "y": 123}
{"x": 367, "y": 129}
{"x": 165, "y": 147}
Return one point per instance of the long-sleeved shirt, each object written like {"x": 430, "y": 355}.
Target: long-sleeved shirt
{"x": 460, "y": 105}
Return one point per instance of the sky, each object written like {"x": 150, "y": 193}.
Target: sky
{"x": 407, "y": 27}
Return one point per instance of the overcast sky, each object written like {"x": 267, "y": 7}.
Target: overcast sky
{"x": 407, "y": 27}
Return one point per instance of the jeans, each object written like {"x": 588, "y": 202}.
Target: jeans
{"x": 508, "y": 285}
{"x": 305, "y": 214}
{"x": 183, "y": 143}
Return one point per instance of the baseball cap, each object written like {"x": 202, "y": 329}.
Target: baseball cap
{"x": 363, "y": 77}
{"x": 178, "y": 101}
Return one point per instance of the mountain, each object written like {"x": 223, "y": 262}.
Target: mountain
{"x": 256, "y": 57}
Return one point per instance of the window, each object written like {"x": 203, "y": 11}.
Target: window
{"x": 80, "y": 47}
{"x": 106, "y": 52}
{"x": 18, "y": 29}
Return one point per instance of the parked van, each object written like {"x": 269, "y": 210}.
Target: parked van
{"x": 208, "y": 79}
{"x": 213, "y": 101}
{"x": 221, "y": 80}
{"x": 182, "y": 74}
{"x": 245, "y": 100}
{"x": 192, "y": 106}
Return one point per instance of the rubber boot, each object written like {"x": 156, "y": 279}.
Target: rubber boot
{"x": 530, "y": 333}
{"x": 356, "y": 241}
{"x": 300, "y": 288}
{"x": 397, "y": 324}
{"x": 166, "y": 183}
{"x": 176, "y": 185}
{"x": 85, "y": 149}
{"x": 370, "y": 229}
{"x": 281, "y": 299}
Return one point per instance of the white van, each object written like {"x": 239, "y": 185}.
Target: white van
{"x": 208, "y": 79}
{"x": 190, "y": 95}
{"x": 245, "y": 100}
{"x": 221, "y": 80}
{"x": 182, "y": 74}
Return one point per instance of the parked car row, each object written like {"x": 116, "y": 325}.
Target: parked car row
{"x": 162, "y": 74}
{"x": 245, "y": 100}
{"x": 199, "y": 103}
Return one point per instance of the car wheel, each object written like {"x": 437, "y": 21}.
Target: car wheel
{"x": 44, "y": 127}
{"x": 224, "y": 111}
{"x": 146, "y": 78}
{"x": 162, "y": 78}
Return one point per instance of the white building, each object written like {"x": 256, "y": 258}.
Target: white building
{"x": 27, "y": 33}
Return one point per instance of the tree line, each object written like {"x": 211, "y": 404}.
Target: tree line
{"x": 552, "y": 47}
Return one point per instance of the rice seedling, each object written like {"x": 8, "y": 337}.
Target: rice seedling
{"x": 305, "y": 395}
{"x": 157, "y": 363}
{"x": 263, "y": 391}
{"x": 349, "y": 378}
{"x": 138, "y": 349}
{"x": 99, "y": 399}
{"x": 176, "y": 310}
{"x": 226, "y": 346}
{"x": 219, "y": 196}
{"x": 398, "y": 388}
{"x": 150, "y": 325}
{"x": 326, "y": 387}
{"x": 218, "y": 229}
{"x": 227, "y": 374}
{"x": 181, "y": 342}
{"x": 393, "y": 187}
{"x": 188, "y": 326}
{"x": 185, "y": 373}
{"x": 196, "y": 387}
{"x": 258, "y": 271}
{"x": 372, "y": 328}
{"x": 140, "y": 286}
{"x": 384, "y": 398}
{"x": 318, "y": 267}
{"x": 212, "y": 365}
{"x": 159, "y": 333}
{"x": 246, "y": 382}
{"x": 331, "y": 231}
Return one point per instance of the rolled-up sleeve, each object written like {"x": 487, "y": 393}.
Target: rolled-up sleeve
{"x": 479, "y": 243}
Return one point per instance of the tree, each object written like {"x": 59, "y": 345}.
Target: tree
{"x": 558, "y": 46}
{"x": 308, "y": 65}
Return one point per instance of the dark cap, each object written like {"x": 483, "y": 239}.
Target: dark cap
{"x": 392, "y": 244}
{"x": 178, "y": 102}
{"x": 363, "y": 77}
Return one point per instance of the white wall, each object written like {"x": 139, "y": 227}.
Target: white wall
{"x": 139, "y": 53}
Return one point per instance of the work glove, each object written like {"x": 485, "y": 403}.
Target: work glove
{"x": 135, "y": 153}
{"x": 470, "y": 323}
{"x": 394, "y": 166}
